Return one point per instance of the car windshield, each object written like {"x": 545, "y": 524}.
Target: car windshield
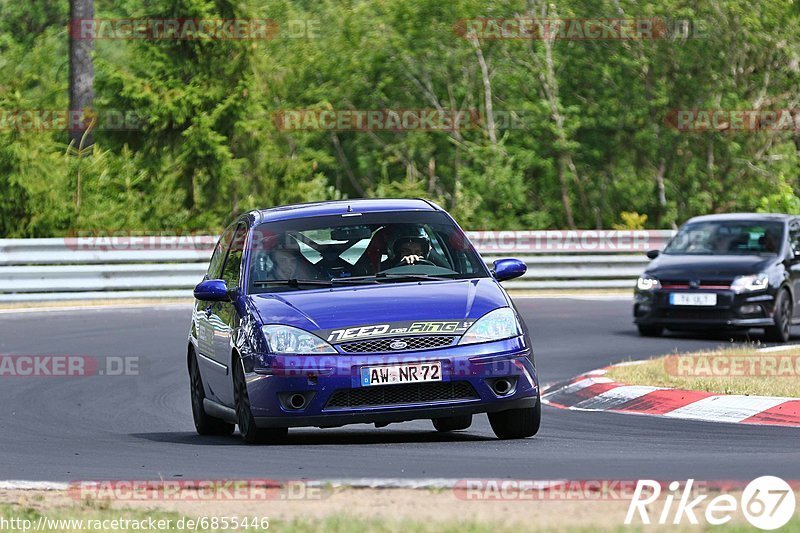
{"x": 359, "y": 248}
{"x": 727, "y": 238}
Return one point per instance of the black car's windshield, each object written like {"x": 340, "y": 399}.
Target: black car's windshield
{"x": 359, "y": 248}
{"x": 727, "y": 238}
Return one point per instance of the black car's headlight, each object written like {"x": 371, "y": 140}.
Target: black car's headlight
{"x": 647, "y": 283}
{"x": 493, "y": 326}
{"x": 291, "y": 340}
{"x": 755, "y": 282}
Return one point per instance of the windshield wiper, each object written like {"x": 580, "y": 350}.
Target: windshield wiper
{"x": 378, "y": 278}
{"x": 293, "y": 282}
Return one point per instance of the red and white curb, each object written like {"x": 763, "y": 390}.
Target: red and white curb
{"x": 593, "y": 391}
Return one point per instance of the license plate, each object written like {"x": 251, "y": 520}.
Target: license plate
{"x": 396, "y": 374}
{"x": 708, "y": 299}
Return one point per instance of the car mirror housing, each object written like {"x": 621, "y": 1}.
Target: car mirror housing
{"x": 505, "y": 269}
{"x": 652, "y": 254}
{"x": 212, "y": 290}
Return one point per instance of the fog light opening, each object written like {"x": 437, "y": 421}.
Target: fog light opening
{"x": 751, "y": 309}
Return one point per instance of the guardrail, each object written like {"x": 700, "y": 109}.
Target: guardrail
{"x": 147, "y": 267}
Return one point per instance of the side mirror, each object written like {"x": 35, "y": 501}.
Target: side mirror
{"x": 505, "y": 269}
{"x": 652, "y": 254}
{"x": 212, "y": 290}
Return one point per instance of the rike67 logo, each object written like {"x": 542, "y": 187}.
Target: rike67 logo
{"x": 767, "y": 502}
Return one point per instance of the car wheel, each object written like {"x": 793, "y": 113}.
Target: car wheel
{"x": 650, "y": 331}
{"x": 452, "y": 423}
{"x": 203, "y": 423}
{"x": 247, "y": 423}
{"x": 782, "y": 329}
{"x": 517, "y": 423}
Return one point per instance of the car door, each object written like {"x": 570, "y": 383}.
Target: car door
{"x": 792, "y": 262}
{"x": 204, "y": 331}
{"x": 223, "y": 318}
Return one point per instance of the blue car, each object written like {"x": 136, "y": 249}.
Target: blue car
{"x": 356, "y": 311}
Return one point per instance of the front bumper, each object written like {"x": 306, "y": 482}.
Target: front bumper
{"x": 468, "y": 373}
{"x": 733, "y": 310}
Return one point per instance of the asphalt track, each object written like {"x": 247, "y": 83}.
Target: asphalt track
{"x": 140, "y": 426}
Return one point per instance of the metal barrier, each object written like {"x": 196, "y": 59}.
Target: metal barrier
{"x": 157, "y": 267}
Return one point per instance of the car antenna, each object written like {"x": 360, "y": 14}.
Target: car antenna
{"x": 349, "y": 208}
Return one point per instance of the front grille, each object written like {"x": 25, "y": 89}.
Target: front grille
{"x": 381, "y": 395}
{"x": 423, "y": 342}
{"x": 696, "y": 314}
{"x": 705, "y": 282}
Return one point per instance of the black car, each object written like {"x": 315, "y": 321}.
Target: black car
{"x": 734, "y": 271}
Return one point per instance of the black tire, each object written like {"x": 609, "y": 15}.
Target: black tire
{"x": 247, "y": 424}
{"x": 203, "y": 423}
{"x": 782, "y": 329}
{"x": 452, "y": 423}
{"x": 517, "y": 423}
{"x": 650, "y": 330}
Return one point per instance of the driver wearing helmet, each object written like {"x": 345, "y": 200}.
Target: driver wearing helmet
{"x": 410, "y": 246}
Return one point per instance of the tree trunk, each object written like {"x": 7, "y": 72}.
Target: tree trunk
{"x": 487, "y": 91}
{"x": 661, "y": 191}
{"x": 567, "y": 171}
{"x": 81, "y": 76}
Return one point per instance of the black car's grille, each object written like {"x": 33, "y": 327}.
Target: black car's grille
{"x": 381, "y": 395}
{"x": 696, "y": 314}
{"x": 707, "y": 282}
{"x": 424, "y": 342}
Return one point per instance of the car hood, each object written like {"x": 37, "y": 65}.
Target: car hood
{"x": 396, "y": 305}
{"x": 667, "y": 266}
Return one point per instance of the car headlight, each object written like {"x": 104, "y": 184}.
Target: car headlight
{"x": 493, "y": 326}
{"x": 289, "y": 340}
{"x": 755, "y": 282}
{"x": 647, "y": 283}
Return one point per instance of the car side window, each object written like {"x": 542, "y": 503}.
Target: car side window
{"x": 215, "y": 266}
{"x": 233, "y": 261}
{"x": 794, "y": 236}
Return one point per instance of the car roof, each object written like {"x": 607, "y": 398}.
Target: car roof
{"x": 336, "y": 207}
{"x": 755, "y": 217}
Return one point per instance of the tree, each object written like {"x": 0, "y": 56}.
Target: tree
{"x": 81, "y": 75}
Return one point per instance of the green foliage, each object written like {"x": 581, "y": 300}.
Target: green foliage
{"x": 783, "y": 200}
{"x": 631, "y": 221}
{"x": 587, "y": 134}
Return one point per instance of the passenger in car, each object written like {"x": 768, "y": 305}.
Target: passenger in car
{"x": 288, "y": 262}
